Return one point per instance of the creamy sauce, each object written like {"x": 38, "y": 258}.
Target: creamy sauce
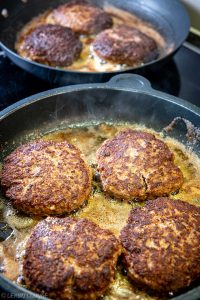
{"x": 88, "y": 61}
{"x": 108, "y": 213}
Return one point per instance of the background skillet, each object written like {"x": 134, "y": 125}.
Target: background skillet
{"x": 156, "y": 12}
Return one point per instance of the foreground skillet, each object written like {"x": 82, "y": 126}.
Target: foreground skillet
{"x": 169, "y": 17}
{"x": 125, "y": 98}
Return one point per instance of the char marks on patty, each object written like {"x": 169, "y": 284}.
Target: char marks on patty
{"x": 135, "y": 164}
{"x": 125, "y": 45}
{"x": 162, "y": 244}
{"x": 46, "y": 177}
{"x": 68, "y": 258}
{"x": 53, "y": 45}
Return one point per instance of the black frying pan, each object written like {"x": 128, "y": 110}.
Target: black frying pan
{"x": 126, "y": 98}
{"x": 168, "y": 17}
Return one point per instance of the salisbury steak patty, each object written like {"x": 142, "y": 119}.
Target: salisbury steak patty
{"x": 68, "y": 258}
{"x": 125, "y": 45}
{"x": 81, "y": 17}
{"x": 162, "y": 244}
{"x": 46, "y": 177}
{"x": 53, "y": 45}
{"x": 135, "y": 164}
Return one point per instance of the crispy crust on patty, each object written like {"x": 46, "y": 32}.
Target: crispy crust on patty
{"x": 53, "y": 45}
{"x": 81, "y": 17}
{"x": 135, "y": 164}
{"x": 125, "y": 45}
{"x": 162, "y": 244}
{"x": 46, "y": 177}
{"x": 70, "y": 258}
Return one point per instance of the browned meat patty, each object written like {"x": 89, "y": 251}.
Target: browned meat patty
{"x": 46, "y": 177}
{"x": 162, "y": 244}
{"x": 81, "y": 17}
{"x": 68, "y": 258}
{"x": 135, "y": 164}
{"x": 125, "y": 45}
{"x": 53, "y": 45}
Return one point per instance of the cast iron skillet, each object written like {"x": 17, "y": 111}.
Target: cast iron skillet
{"x": 169, "y": 17}
{"x": 125, "y": 98}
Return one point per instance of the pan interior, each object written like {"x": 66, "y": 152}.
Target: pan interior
{"x": 106, "y": 212}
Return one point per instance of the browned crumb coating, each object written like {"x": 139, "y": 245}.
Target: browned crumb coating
{"x": 135, "y": 164}
{"x": 162, "y": 244}
{"x": 46, "y": 177}
{"x": 69, "y": 258}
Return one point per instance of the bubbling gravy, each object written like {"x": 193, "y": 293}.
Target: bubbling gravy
{"x": 106, "y": 212}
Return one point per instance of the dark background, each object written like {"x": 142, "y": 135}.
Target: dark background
{"x": 180, "y": 76}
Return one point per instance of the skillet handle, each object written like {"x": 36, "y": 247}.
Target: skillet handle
{"x": 130, "y": 81}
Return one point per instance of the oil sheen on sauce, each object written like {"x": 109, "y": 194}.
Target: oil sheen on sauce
{"x": 88, "y": 61}
{"x": 107, "y": 213}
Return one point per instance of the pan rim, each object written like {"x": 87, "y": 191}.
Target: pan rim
{"x": 36, "y": 64}
{"x": 107, "y": 85}
{"x": 19, "y": 290}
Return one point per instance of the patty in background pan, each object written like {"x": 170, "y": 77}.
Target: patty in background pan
{"x": 135, "y": 164}
{"x": 162, "y": 244}
{"x": 125, "y": 45}
{"x": 53, "y": 45}
{"x": 46, "y": 177}
{"x": 68, "y": 258}
{"x": 81, "y": 16}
